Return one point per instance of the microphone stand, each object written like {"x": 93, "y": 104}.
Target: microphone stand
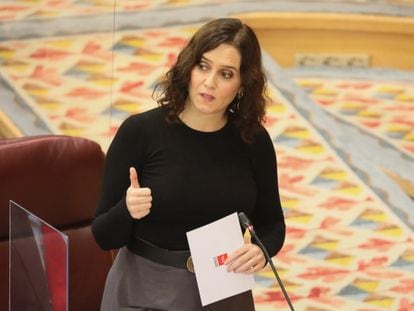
{"x": 245, "y": 222}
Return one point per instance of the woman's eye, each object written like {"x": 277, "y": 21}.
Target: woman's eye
{"x": 203, "y": 66}
{"x": 227, "y": 74}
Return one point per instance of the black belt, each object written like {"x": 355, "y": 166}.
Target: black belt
{"x": 177, "y": 259}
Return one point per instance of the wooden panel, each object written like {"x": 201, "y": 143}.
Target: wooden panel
{"x": 7, "y": 127}
{"x": 389, "y": 41}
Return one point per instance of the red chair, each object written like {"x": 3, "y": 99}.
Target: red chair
{"x": 57, "y": 178}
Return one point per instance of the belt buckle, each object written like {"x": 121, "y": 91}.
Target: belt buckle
{"x": 189, "y": 264}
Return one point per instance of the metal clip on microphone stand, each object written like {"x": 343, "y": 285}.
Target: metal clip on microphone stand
{"x": 246, "y": 223}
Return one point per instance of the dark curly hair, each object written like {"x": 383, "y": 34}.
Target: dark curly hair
{"x": 173, "y": 89}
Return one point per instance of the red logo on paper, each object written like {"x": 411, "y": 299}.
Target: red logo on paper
{"x": 219, "y": 260}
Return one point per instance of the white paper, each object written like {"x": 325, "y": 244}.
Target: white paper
{"x": 207, "y": 245}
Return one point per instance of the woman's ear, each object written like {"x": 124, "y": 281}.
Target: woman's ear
{"x": 240, "y": 93}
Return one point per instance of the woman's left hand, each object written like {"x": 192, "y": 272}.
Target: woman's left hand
{"x": 247, "y": 259}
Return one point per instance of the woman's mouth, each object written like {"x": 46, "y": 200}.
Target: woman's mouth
{"x": 207, "y": 97}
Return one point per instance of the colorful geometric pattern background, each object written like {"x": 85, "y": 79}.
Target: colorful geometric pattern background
{"x": 47, "y": 9}
{"x": 68, "y": 80}
{"x": 384, "y": 109}
{"x": 50, "y": 9}
{"x": 347, "y": 247}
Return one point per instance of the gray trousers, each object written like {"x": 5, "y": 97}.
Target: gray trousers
{"x": 135, "y": 283}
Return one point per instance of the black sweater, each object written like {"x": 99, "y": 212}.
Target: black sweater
{"x": 195, "y": 178}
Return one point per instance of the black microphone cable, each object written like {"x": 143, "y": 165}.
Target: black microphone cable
{"x": 246, "y": 223}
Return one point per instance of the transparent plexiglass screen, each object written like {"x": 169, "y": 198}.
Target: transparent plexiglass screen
{"x": 38, "y": 272}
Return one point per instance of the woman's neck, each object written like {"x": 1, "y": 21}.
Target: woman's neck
{"x": 203, "y": 123}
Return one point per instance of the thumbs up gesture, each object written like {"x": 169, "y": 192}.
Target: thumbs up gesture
{"x": 138, "y": 200}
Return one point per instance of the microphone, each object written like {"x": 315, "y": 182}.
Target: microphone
{"x": 247, "y": 224}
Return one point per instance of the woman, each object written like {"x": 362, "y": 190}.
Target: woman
{"x": 201, "y": 155}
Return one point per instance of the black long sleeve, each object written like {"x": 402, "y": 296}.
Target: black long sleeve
{"x": 195, "y": 178}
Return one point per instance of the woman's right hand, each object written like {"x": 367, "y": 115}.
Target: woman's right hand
{"x": 138, "y": 200}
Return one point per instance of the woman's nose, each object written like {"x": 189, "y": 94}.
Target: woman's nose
{"x": 210, "y": 81}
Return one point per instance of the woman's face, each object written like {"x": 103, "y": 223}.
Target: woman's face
{"x": 215, "y": 81}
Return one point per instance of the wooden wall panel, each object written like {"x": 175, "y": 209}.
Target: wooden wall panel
{"x": 389, "y": 41}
